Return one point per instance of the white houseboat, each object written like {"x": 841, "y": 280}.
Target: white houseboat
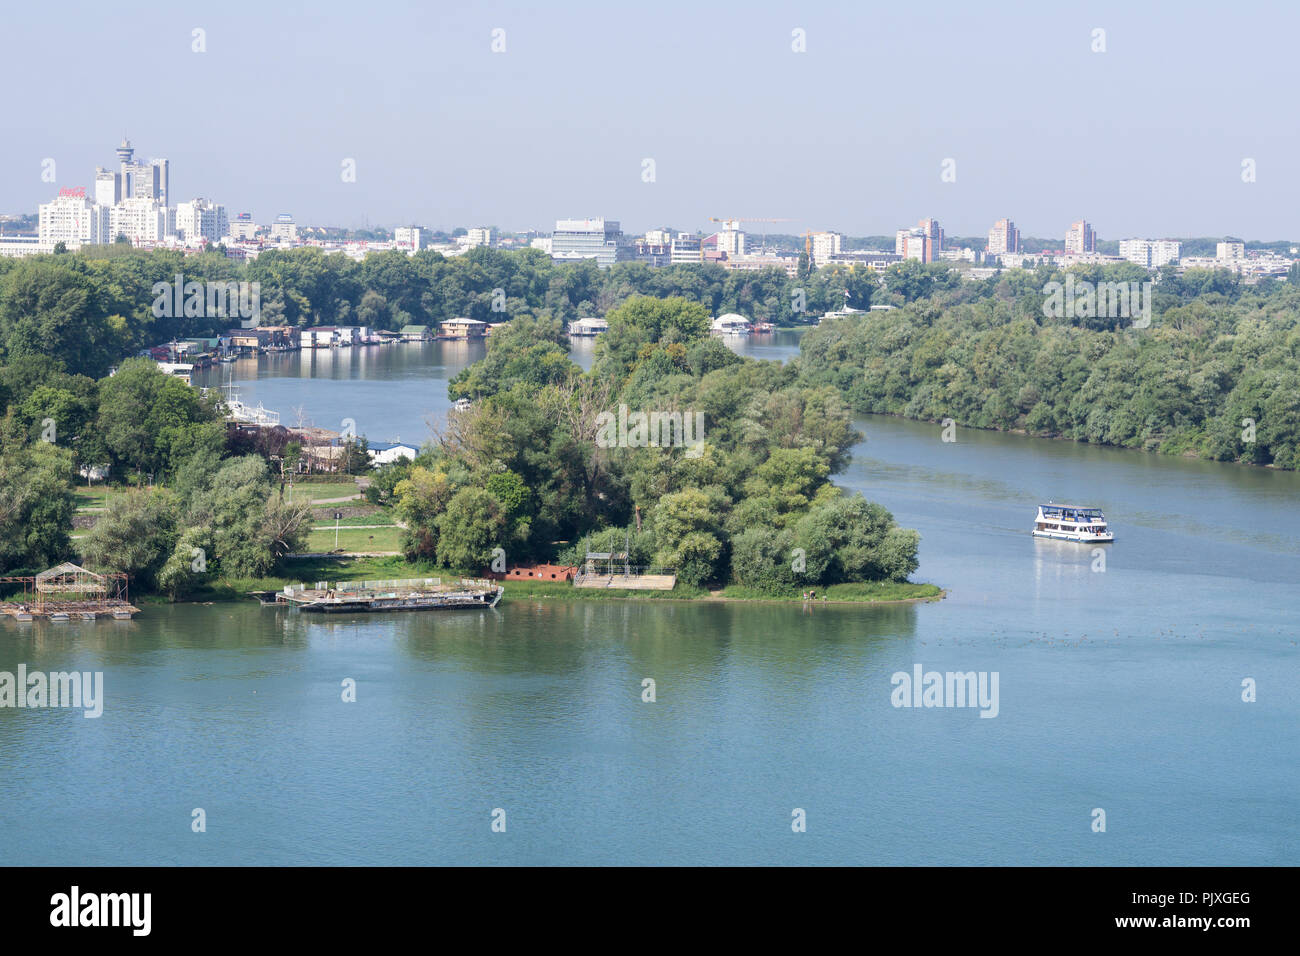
{"x": 1071, "y": 523}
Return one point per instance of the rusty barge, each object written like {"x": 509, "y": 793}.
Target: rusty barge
{"x": 411, "y": 594}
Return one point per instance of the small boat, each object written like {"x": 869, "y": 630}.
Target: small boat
{"x": 462, "y": 405}
{"x": 1072, "y": 523}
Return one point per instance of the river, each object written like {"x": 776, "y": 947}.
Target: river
{"x": 1120, "y": 689}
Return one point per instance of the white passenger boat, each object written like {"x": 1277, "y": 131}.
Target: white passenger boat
{"x": 1072, "y": 523}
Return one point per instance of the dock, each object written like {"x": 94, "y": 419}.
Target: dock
{"x": 410, "y": 594}
{"x": 68, "y": 593}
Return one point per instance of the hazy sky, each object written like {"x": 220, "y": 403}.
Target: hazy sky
{"x": 1144, "y": 139}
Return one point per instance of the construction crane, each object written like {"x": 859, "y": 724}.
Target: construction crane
{"x": 732, "y": 223}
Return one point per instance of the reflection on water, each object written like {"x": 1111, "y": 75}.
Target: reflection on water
{"x": 1120, "y": 688}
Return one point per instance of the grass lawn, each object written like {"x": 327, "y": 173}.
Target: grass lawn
{"x": 315, "y": 491}
{"x": 96, "y": 496}
{"x": 374, "y": 539}
{"x": 376, "y": 516}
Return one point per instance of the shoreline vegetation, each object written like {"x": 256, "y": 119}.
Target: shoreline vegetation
{"x": 534, "y": 468}
{"x": 343, "y": 567}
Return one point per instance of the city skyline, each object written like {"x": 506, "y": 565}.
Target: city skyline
{"x": 444, "y": 131}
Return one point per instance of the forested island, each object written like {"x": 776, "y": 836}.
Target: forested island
{"x": 1215, "y": 373}
{"x": 745, "y": 502}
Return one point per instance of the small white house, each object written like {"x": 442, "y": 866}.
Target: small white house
{"x": 731, "y": 324}
{"x": 383, "y": 452}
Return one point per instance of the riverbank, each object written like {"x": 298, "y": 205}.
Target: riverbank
{"x": 341, "y": 568}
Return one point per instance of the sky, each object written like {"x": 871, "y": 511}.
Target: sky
{"x": 1146, "y": 137}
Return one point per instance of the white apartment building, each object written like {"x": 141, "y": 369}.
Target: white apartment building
{"x": 1151, "y": 253}
{"x": 141, "y": 220}
{"x": 659, "y": 237}
{"x": 825, "y": 245}
{"x": 599, "y": 239}
{"x": 1230, "y": 250}
{"x": 411, "y": 238}
{"x": 108, "y": 187}
{"x": 686, "y": 248}
{"x": 73, "y": 219}
{"x": 201, "y": 219}
{"x": 481, "y": 236}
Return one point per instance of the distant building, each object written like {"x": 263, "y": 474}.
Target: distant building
{"x": 201, "y": 219}
{"x": 730, "y": 240}
{"x": 460, "y": 328}
{"x": 108, "y": 187}
{"x": 1004, "y": 238}
{"x": 590, "y": 325}
{"x": 481, "y": 236}
{"x": 825, "y": 245}
{"x": 385, "y": 452}
{"x": 1151, "y": 253}
{"x": 284, "y": 229}
{"x": 1080, "y": 239}
{"x": 931, "y": 229}
{"x": 914, "y": 244}
{"x": 142, "y": 219}
{"x": 685, "y": 248}
{"x": 1229, "y": 250}
{"x": 599, "y": 239}
{"x": 416, "y": 333}
{"x": 243, "y": 227}
{"x": 73, "y": 219}
{"x": 151, "y": 180}
{"x": 731, "y": 324}
{"x": 411, "y": 238}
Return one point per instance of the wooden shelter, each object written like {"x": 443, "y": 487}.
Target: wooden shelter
{"x": 67, "y": 591}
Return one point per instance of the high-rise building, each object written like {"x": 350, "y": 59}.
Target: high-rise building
{"x": 1080, "y": 240}
{"x": 1230, "y": 250}
{"x": 108, "y": 187}
{"x": 140, "y": 180}
{"x": 686, "y": 248}
{"x": 74, "y": 219}
{"x": 481, "y": 236}
{"x": 201, "y": 219}
{"x": 931, "y": 229}
{"x": 825, "y": 245}
{"x": 731, "y": 240}
{"x": 1151, "y": 253}
{"x": 599, "y": 239}
{"x": 1004, "y": 238}
{"x": 922, "y": 242}
{"x": 141, "y": 219}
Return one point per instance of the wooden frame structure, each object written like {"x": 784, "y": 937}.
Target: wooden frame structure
{"x": 68, "y": 591}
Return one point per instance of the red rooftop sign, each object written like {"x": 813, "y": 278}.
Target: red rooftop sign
{"x": 78, "y": 192}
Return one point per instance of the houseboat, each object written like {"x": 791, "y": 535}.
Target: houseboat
{"x": 731, "y": 324}
{"x": 1072, "y": 523}
{"x": 588, "y": 326}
